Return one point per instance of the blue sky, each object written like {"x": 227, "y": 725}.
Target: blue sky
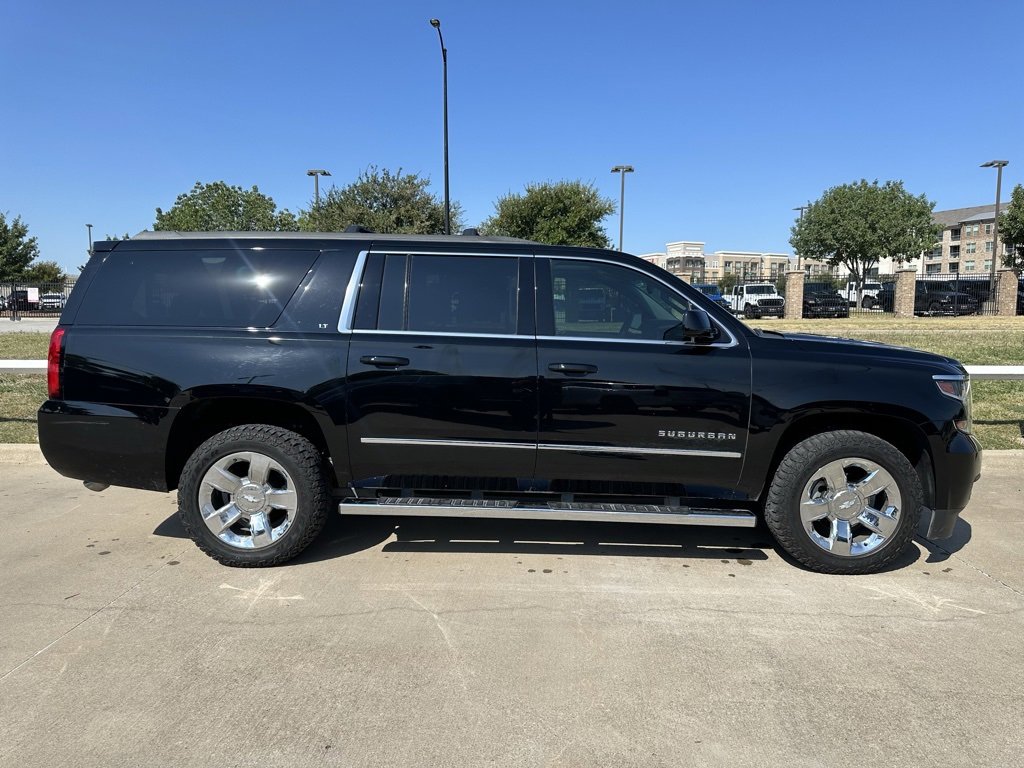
{"x": 732, "y": 113}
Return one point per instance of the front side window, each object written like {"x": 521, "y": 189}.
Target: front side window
{"x": 599, "y": 300}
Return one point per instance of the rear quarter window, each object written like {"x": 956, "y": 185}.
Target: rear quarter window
{"x": 198, "y": 289}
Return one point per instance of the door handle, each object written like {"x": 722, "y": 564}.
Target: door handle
{"x": 580, "y": 368}
{"x": 384, "y": 361}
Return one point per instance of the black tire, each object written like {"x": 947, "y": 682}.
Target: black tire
{"x": 867, "y": 302}
{"x": 935, "y": 308}
{"x": 782, "y": 506}
{"x": 304, "y": 464}
{"x": 750, "y": 312}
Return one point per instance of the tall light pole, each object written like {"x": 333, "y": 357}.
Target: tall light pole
{"x": 622, "y": 170}
{"x": 801, "y": 208}
{"x": 436, "y": 24}
{"x": 89, "y": 227}
{"x": 316, "y": 173}
{"x": 998, "y": 165}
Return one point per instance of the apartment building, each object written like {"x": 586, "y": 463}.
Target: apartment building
{"x": 966, "y": 246}
{"x": 687, "y": 259}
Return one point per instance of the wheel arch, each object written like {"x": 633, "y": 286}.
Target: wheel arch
{"x": 902, "y": 433}
{"x": 201, "y": 419}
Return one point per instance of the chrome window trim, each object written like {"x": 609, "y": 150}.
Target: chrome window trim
{"x": 450, "y": 334}
{"x": 348, "y": 304}
{"x": 611, "y": 449}
{"x": 733, "y": 342}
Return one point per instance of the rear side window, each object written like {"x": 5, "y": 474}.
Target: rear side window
{"x": 200, "y": 289}
{"x": 448, "y": 294}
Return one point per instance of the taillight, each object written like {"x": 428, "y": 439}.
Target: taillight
{"x": 53, "y": 361}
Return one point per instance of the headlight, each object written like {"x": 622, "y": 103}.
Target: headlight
{"x": 958, "y": 388}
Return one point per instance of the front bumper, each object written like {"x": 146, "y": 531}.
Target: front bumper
{"x": 957, "y": 468}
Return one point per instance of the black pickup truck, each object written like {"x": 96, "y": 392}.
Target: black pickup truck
{"x": 272, "y": 378}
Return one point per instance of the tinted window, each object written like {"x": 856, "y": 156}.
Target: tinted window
{"x": 456, "y": 294}
{"x": 594, "y": 299}
{"x": 201, "y": 288}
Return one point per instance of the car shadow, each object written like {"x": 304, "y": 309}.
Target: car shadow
{"x": 942, "y": 550}
{"x": 349, "y": 534}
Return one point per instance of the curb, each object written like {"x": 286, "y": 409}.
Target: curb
{"x": 21, "y": 453}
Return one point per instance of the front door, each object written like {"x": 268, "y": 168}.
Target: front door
{"x": 621, "y": 407}
{"x": 442, "y": 372}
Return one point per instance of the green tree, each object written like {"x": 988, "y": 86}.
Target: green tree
{"x": 556, "y": 213}
{"x": 1011, "y": 231}
{"x": 381, "y": 201}
{"x": 44, "y": 272}
{"x": 17, "y": 249}
{"x": 218, "y": 207}
{"x": 126, "y": 236}
{"x": 855, "y": 225}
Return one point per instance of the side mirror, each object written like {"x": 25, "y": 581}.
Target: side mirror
{"x": 696, "y": 327}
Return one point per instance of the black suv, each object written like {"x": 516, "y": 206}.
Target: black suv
{"x": 823, "y": 300}
{"x": 931, "y": 297}
{"x": 274, "y": 377}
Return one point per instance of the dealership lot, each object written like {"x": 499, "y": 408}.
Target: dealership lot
{"x": 439, "y": 643}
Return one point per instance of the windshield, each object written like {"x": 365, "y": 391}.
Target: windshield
{"x": 760, "y": 289}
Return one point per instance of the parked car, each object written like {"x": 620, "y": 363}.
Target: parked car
{"x": 822, "y": 300}
{"x": 23, "y": 300}
{"x": 930, "y": 298}
{"x": 275, "y": 378}
{"x": 51, "y": 301}
{"x": 868, "y": 293}
{"x": 756, "y": 300}
{"x": 713, "y": 292}
{"x": 940, "y": 297}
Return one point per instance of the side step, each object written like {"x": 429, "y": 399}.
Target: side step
{"x": 533, "y": 510}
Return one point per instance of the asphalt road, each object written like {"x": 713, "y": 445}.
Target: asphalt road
{"x": 441, "y": 644}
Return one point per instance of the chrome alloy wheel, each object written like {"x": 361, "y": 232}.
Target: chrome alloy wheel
{"x": 248, "y": 500}
{"x": 851, "y": 507}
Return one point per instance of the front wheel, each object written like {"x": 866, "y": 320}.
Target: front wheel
{"x": 844, "y": 502}
{"x": 868, "y": 302}
{"x": 254, "y": 495}
{"x": 750, "y": 312}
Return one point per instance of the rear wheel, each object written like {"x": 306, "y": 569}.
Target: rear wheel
{"x": 844, "y": 502}
{"x": 254, "y": 495}
{"x": 935, "y": 308}
{"x": 868, "y": 302}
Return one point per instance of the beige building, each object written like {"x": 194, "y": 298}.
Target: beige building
{"x": 966, "y": 246}
{"x": 687, "y": 259}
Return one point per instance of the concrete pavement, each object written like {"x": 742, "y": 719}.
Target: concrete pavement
{"x": 431, "y": 643}
{"x": 28, "y": 325}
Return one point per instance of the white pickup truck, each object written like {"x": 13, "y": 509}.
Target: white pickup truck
{"x": 756, "y": 300}
{"x": 868, "y": 295}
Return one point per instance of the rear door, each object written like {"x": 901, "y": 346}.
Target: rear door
{"x": 621, "y": 405}
{"x": 442, "y": 372}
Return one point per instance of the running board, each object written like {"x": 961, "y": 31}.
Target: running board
{"x": 532, "y": 510}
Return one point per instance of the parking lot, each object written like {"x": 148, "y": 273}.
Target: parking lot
{"x": 434, "y": 643}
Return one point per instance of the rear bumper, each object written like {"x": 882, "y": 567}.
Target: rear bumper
{"x": 106, "y": 444}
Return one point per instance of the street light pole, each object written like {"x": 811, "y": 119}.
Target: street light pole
{"x": 316, "y": 173}
{"x": 801, "y": 208}
{"x": 622, "y": 170}
{"x": 436, "y": 24}
{"x": 998, "y": 165}
{"x": 89, "y": 227}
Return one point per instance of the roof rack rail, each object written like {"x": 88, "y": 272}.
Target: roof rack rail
{"x": 358, "y": 229}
